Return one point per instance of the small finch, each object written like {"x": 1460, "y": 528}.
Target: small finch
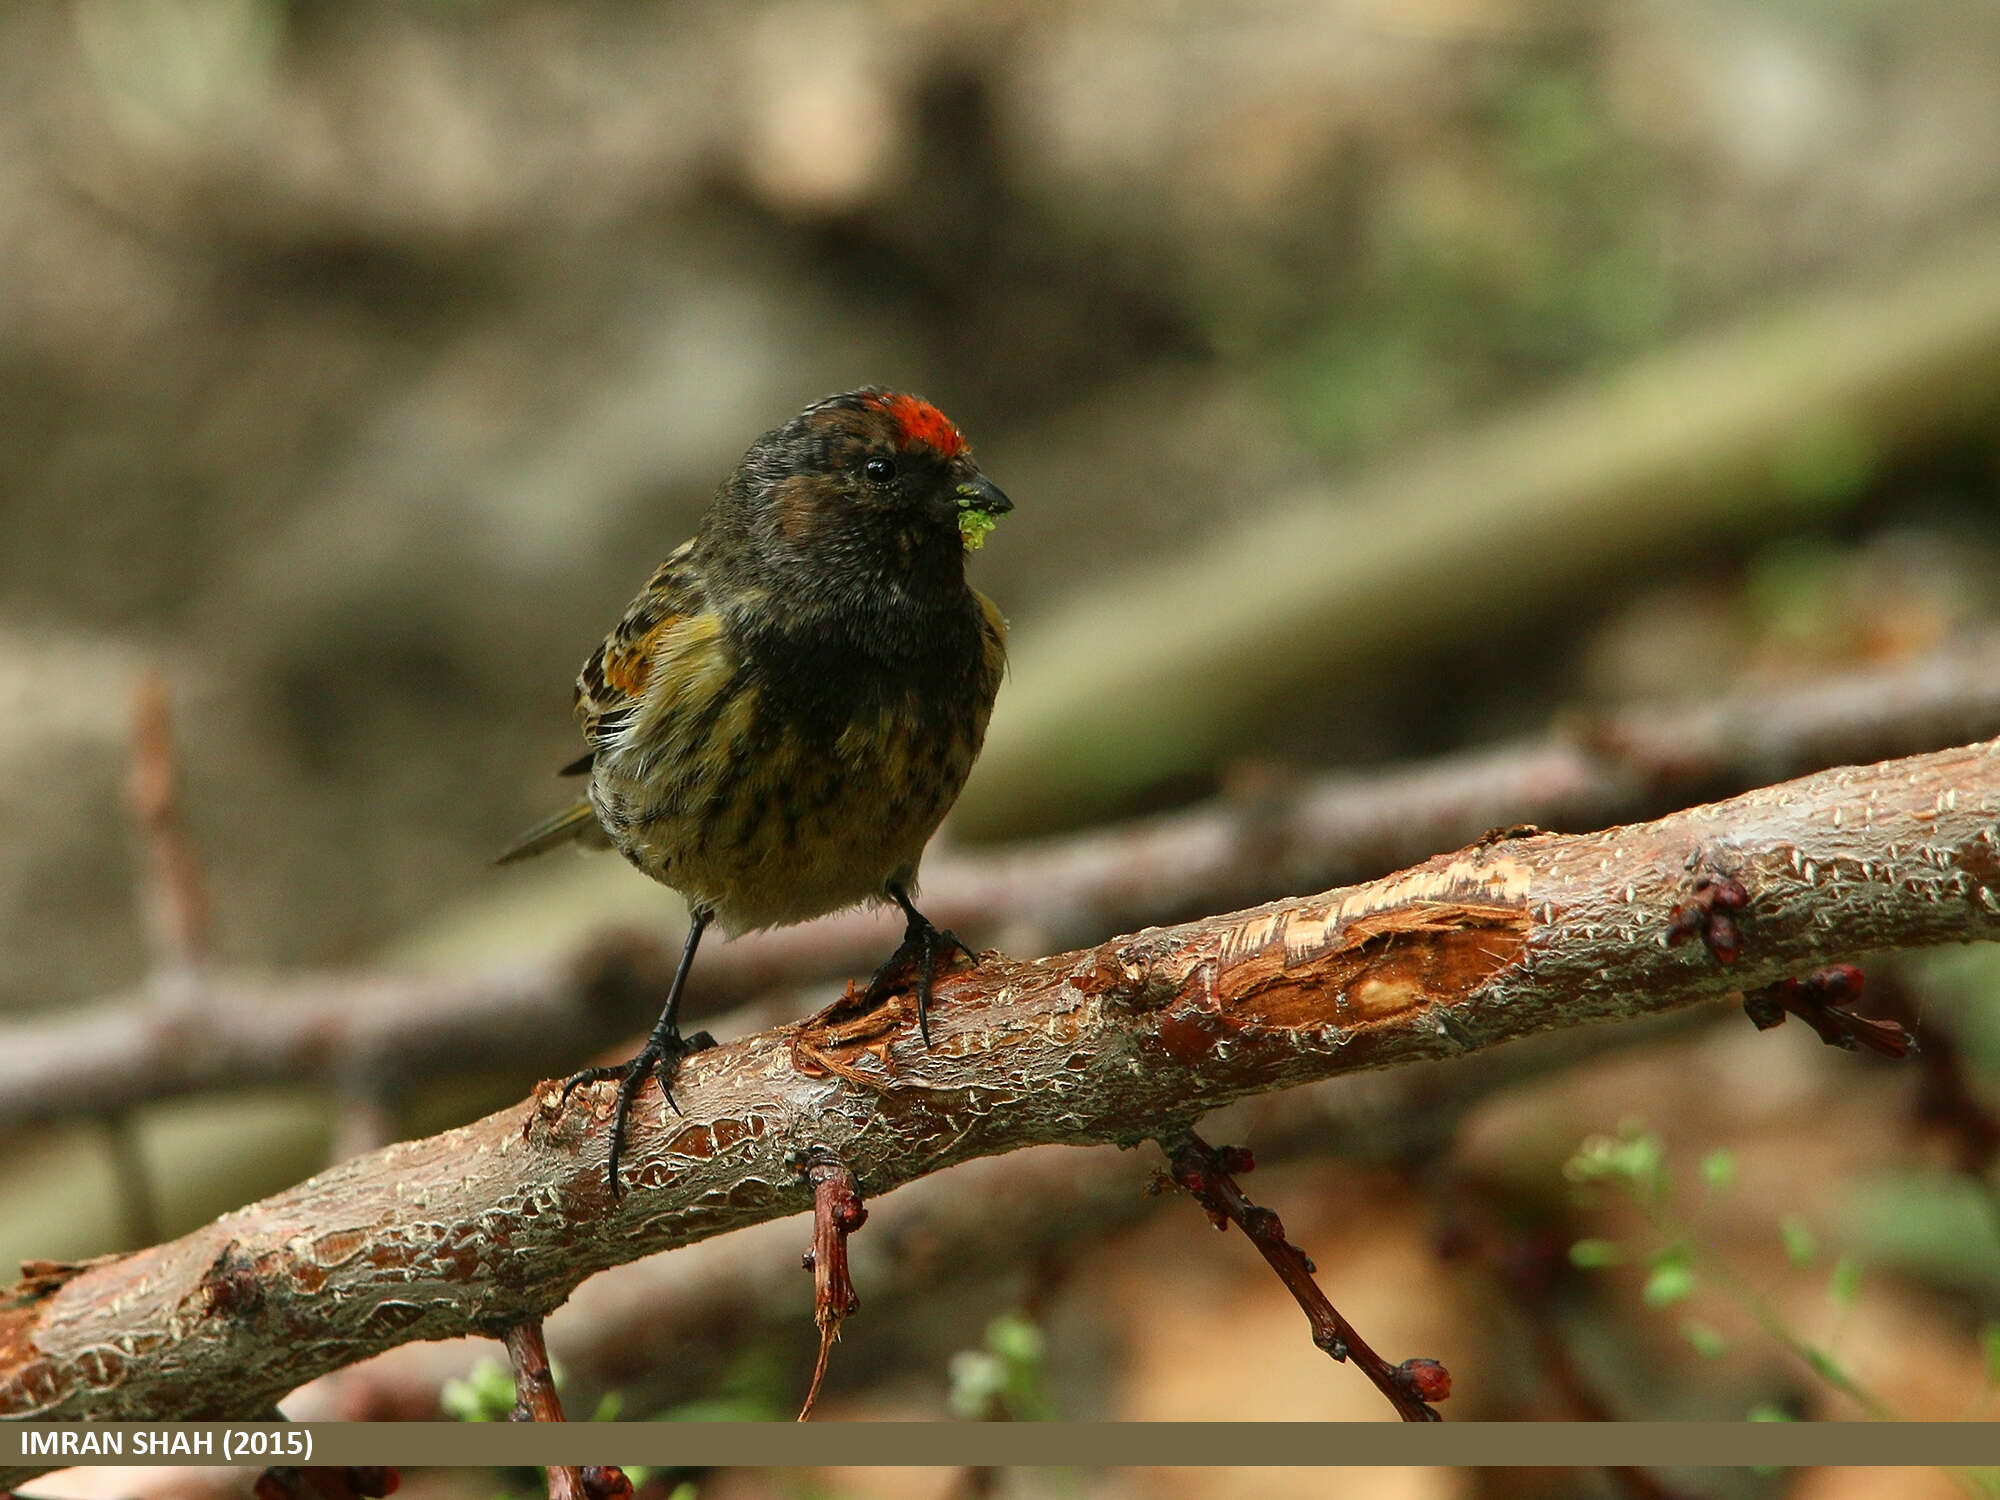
{"x": 794, "y": 700}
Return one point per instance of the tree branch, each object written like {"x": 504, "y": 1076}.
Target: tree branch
{"x": 379, "y": 1033}
{"x": 837, "y": 1212}
{"x": 388, "y": 1030}
{"x": 535, "y": 1398}
{"x": 172, "y": 895}
{"x": 1210, "y": 1176}
{"x": 955, "y": 1230}
{"x": 475, "y": 1229}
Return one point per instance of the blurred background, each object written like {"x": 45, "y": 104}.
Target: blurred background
{"x": 1375, "y": 382}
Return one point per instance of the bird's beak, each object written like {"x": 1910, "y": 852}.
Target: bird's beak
{"x": 982, "y": 494}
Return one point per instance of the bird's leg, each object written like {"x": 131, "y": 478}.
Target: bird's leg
{"x": 923, "y": 945}
{"x": 662, "y": 1053}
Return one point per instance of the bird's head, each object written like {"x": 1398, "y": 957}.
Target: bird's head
{"x": 871, "y": 480}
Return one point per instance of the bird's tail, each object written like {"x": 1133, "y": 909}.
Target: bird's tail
{"x": 575, "y": 823}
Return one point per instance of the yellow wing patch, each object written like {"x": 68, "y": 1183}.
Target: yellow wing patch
{"x": 688, "y": 668}
{"x": 623, "y": 678}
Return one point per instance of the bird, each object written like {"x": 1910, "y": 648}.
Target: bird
{"x": 787, "y": 710}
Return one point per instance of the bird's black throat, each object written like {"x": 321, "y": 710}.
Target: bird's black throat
{"x": 823, "y": 671}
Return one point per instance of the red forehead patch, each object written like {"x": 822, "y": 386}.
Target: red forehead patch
{"x": 918, "y": 422}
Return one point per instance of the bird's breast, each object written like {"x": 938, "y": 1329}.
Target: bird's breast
{"x": 830, "y": 672}
{"x": 808, "y": 782}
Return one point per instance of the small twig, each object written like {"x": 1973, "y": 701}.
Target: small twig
{"x": 1814, "y": 1001}
{"x": 837, "y": 1212}
{"x": 173, "y": 905}
{"x": 172, "y": 894}
{"x": 535, "y": 1398}
{"x": 1208, "y": 1175}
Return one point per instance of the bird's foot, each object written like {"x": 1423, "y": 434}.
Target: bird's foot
{"x": 661, "y": 1057}
{"x": 924, "y": 945}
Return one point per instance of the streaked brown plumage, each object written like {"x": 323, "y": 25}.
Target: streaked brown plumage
{"x": 793, "y": 702}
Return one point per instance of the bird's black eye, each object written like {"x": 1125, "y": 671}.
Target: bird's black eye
{"x": 881, "y": 470}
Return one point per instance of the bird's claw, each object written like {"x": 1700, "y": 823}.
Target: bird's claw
{"x": 917, "y": 959}
{"x": 660, "y": 1058}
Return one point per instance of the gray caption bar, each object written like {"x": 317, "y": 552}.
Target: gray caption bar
{"x": 27, "y": 1450}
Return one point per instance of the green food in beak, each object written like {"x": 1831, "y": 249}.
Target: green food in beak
{"x": 979, "y": 501}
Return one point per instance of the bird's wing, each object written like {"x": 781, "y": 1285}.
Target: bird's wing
{"x": 654, "y": 655}
{"x": 627, "y": 671}
{"x": 992, "y": 645}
